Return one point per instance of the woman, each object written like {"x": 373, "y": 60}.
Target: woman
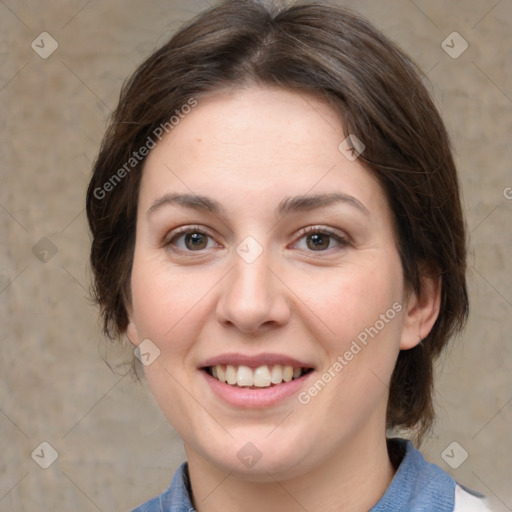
{"x": 277, "y": 229}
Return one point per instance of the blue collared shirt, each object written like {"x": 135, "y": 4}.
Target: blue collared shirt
{"x": 417, "y": 486}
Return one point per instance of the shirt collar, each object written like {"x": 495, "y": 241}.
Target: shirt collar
{"x": 417, "y": 485}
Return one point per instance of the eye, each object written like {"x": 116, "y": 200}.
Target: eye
{"x": 189, "y": 239}
{"x": 319, "y": 239}
{"x": 195, "y": 239}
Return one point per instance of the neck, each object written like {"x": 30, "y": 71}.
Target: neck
{"x": 353, "y": 479}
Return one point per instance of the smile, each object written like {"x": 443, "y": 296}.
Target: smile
{"x": 261, "y": 377}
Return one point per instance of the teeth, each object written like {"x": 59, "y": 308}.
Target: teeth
{"x": 244, "y": 376}
{"x": 287, "y": 373}
{"x": 230, "y": 374}
{"x": 261, "y": 377}
{"x": 221, "y": 373}
{"x": 277, "y": 374}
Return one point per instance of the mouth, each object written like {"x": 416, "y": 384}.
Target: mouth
{"x": 263, "y": 376}
{"x": 255, "y": 381}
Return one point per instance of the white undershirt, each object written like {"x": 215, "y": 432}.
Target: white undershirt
{"x": 467, "y": 502}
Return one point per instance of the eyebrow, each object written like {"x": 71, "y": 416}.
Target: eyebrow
{"x": 287, "y": 205}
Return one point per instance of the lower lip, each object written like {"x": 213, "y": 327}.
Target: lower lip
{"x": 250, "y": 398}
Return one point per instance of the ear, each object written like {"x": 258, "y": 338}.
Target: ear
{"x": 421, "y": 312}
{"x": 131, "y": 329}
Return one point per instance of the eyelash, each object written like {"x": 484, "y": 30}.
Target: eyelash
{"x": 169, "y": 242}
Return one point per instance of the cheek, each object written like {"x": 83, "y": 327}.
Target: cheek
{"x": 352, "y": 299}
{"x": 167, "y": 302}
{"x": 362, "y": 307}
{"x": 168, "y": 306}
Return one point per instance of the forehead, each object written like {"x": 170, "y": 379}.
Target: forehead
{"x": 257, "y": 142}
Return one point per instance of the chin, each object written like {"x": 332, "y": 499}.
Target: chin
{"x": 263, "y": 462}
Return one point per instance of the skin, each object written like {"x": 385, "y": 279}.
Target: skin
{"x": 248, "y": 149}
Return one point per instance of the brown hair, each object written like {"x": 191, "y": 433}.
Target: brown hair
{"x": 340, "y": 57}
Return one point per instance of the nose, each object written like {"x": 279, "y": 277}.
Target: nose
{"x": 254, "y": 297}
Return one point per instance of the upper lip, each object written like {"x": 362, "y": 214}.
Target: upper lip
{"x": 237, "y": 359}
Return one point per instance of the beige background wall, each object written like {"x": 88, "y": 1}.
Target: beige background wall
{"x": 114, "y": 447}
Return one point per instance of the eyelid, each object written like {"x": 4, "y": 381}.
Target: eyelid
{"x": 322, "y": 229}
{"x": 186, "y": 229}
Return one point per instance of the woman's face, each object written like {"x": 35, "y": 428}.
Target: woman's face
{"x": 261, "y": 245}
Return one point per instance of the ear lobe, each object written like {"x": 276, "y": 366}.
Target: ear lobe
{"x": 421, "y": 312}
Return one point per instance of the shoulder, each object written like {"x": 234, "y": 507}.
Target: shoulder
{"x": 152, "y": 505}
{"x": 419, "y": 485}
{"x": 467, "y": 500}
